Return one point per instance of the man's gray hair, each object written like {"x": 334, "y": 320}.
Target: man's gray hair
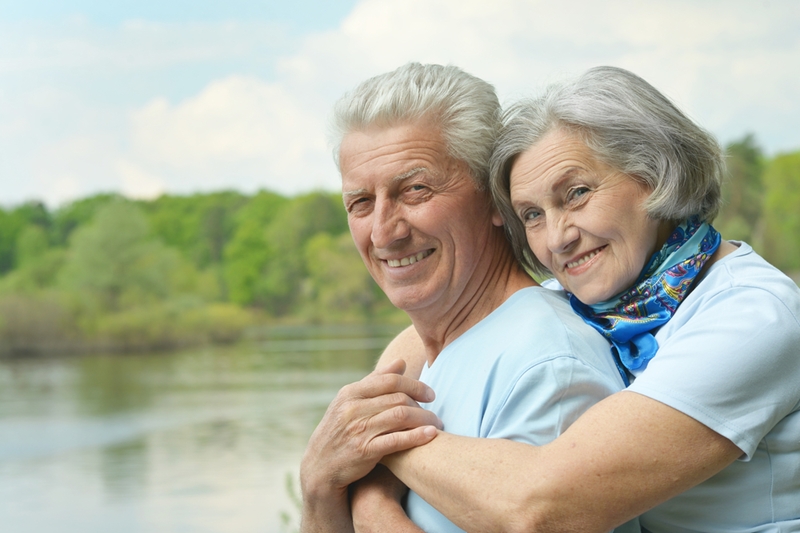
{"x": 463, "y": 107}
{"x": 627, "y": 124}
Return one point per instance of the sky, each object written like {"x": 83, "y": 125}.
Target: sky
{"x": 149, "y": 97}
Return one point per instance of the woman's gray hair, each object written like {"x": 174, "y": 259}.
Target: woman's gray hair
{"x": 627, "y": 124}
{"x": 465, "y": 108}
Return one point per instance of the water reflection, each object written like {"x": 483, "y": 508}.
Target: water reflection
{"x": 190, "y": 442}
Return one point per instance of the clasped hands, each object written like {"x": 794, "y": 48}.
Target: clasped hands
{"x": 367, "y": 420}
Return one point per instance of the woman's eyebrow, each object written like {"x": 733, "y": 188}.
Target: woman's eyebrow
{"x": 566, "y": 176}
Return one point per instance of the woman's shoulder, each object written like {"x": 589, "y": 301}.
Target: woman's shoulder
{"x": 745, "y": 269}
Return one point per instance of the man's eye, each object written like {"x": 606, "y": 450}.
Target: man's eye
{"x": 418, "y": 187}
{"x": 356, "y": 204}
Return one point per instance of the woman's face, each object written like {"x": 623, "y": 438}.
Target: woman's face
{"x": 583, "y": 219}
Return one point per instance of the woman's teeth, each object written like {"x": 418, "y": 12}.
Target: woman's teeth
{"x": 410, "y": 260}
{"x": 582, "y": 260}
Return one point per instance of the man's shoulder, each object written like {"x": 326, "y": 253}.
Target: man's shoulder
{"x": 538, "y": 323}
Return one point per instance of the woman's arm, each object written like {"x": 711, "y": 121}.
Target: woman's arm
{"x": 375, "y": 500}
{"x": 625, "y": 455}
{"x": 376, "y": 504}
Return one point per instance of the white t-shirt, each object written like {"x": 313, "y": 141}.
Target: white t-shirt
{"x": 730, "y": 358}
{"x": 526, "y": 372}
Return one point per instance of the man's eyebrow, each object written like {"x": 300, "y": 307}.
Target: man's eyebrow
{"x": 350, "y": 194}
{"x": 400, "y": 177}
{"x": 407, "y": 174}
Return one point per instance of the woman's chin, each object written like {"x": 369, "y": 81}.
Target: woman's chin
{"x": 591, "y": 295}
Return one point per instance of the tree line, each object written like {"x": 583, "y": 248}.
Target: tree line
{"x": 108, "y": 273}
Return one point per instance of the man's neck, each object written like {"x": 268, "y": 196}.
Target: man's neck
{"x": 492, "y": 284}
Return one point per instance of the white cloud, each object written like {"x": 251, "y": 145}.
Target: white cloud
{"x": 262, "y": 122}
{"x": 729, "y": 64}
{"x": 77, "y": 43}
{"x": 138, "y": 183}
{"x": 238, "y": 132}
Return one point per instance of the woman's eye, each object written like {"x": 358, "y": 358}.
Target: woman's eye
{"x": 530, "y": 215}
{"x": 576, "y": 193}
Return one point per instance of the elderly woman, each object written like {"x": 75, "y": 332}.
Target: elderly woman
{"x": 604, "y": 183}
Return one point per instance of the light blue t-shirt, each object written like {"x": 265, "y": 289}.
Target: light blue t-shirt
{"x": 526, "y": 372}
{"x": 730, "y": 358}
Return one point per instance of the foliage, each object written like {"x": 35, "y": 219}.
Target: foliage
{"x": 338, "y": 285}
{"x": 250, "y": 250}
{"x": 265, "y": 266}
{"x": 113, "y": 260}
{"x": 108, "y": 273}
{"x": 782, "y": 211}
{"x": 743, "y": 192}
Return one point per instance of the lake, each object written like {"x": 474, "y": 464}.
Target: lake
{"x": 206, "y": 440}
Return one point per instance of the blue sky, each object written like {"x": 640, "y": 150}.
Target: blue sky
{"x": 150, "y": 97}
{"x": 305, "y": 15}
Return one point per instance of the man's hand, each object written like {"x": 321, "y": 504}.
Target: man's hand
{"x": 376, "y": 416}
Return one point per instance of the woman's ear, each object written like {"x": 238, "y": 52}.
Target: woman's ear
{"x": 497, "y": 220}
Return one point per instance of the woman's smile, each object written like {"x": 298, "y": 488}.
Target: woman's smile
{"x": 576, "y": 263}
{"x": 584, "y": 220}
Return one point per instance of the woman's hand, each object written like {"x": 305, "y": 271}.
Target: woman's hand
{"x": 375, "y": 502}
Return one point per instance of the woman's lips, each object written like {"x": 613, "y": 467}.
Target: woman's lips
{"x": 578, "y": 262}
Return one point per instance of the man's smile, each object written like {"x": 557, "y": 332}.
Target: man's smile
{"x": 409, "y": 260}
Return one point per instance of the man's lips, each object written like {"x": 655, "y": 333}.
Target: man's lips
{"x": 409, "y": 260}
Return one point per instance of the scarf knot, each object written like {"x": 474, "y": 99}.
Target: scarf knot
{"x": 629, "y": 319}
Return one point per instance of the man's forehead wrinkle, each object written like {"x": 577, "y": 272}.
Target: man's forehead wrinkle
{"x": 394, "y": 180}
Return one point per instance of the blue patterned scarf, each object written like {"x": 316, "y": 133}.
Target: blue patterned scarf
{"x": 628, "y": 319}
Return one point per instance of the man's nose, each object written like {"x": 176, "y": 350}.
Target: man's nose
{"x": 388, "y": 224}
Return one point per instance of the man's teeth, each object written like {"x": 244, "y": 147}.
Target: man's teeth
{"x": 410, "y": 260}
{"x": 582, "y": 260}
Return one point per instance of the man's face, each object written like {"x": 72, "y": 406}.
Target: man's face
{"x": 415, "y": 215}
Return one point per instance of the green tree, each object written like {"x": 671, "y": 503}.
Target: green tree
{"x": 115, "y": 260}
{"x": 265, "y": 266}
{"x": 79, "y": 213}
{"x": 12, "y": 223}
{"x": 38, "y": 264}
{"x": 32, "y": 244}
{"x": 8, "y": 240}
{"x": 339, "y": 287}
{"x": 782, "y": 211}
{"x": 742, "y": 192}
{"x": 249, "y": 250}
{"x": 199, "y": 226}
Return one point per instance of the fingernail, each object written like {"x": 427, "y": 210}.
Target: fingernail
{"x": 430, "y": 395}
{"x": 429, "y": 431}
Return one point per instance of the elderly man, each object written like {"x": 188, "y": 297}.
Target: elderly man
{"x": 506, "y": 358}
